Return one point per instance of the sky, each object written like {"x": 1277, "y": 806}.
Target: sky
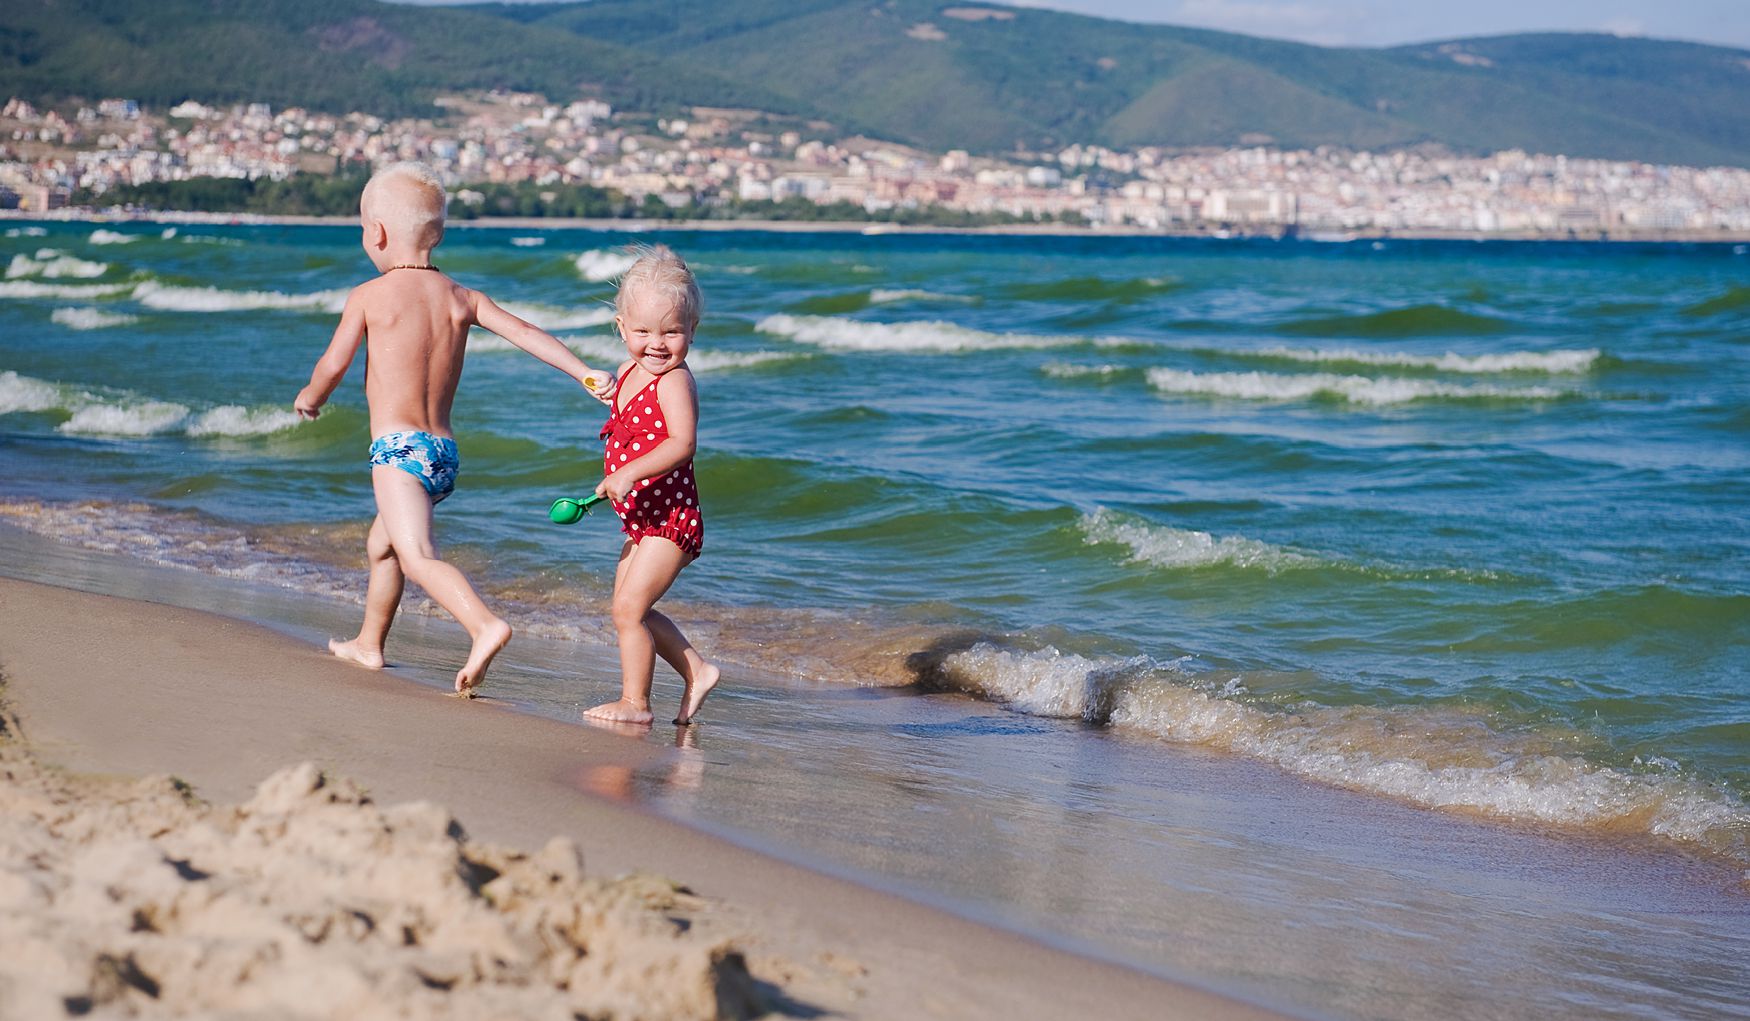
{"x": 1394, "y": 22}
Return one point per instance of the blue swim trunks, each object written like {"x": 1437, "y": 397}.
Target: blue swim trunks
{"x": 432, "y": 460}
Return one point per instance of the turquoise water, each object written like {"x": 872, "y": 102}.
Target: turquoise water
{"x": 1462, "y": 525}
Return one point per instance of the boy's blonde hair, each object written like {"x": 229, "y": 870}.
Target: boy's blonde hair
{"x": 409, "y": 198}
{"x": 657, "y": 266}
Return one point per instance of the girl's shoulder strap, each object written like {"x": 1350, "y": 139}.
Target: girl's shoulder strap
{"x": 620, "y": 381}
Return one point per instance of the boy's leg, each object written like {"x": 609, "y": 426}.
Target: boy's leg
{"x": 645, "y": 572}
{"x": 405, "y": 512}
{"x": 382, "y": 597}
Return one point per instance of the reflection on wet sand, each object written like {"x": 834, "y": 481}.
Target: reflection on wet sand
{"x": 685, "y": 773}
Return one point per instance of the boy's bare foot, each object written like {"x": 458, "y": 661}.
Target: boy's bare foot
{"x": 487, "y": 643}
{"x": 620, "y": 711}
{"x": 698, "y": 686}
{"x": 352, "y": 652}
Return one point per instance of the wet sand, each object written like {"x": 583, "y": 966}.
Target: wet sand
{"x": 105, "y": 691}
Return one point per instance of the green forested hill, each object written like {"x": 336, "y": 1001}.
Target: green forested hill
{"x": 336, "y": 55}
{"x": 939, "y": 75}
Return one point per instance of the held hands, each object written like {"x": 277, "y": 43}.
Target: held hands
{"x": 600, "y": 385}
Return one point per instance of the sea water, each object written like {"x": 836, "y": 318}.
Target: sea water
{"x": 1201, "y": 590}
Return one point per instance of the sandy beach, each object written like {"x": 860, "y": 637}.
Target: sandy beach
{"x": 312, "y": 839}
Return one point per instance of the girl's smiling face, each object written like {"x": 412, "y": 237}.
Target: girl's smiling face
{"x": 656, "y": 333}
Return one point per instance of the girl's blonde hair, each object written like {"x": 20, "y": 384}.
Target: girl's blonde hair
{"x": 657, "y": 266}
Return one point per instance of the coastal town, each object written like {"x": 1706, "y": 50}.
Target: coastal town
{"x": 718, "y": 157}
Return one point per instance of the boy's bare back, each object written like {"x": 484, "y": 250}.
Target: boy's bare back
{"x": 416, "y": 324}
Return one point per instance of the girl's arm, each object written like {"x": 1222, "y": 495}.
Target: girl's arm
{"x": 331, "y": 367}
{"x": 679, "y": 397}
{"x": 542, "y": 345}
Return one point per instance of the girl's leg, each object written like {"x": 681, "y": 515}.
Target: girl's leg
{"x": 645, "y": 572}
{"x": 699, "y": 675}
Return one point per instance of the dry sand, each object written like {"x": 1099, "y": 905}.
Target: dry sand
{"x": 134, "y": 897}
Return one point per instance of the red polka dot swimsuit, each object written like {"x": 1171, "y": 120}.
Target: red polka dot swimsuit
{"x": 667, "y": 505}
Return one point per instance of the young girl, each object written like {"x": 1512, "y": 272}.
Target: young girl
{"x": 648, "y": 470}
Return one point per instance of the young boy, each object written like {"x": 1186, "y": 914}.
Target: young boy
{"x": 414, "y": 321}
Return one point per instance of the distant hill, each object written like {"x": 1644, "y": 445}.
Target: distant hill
{"x": 971, "y": 76}
{"x": 336, "y": 55}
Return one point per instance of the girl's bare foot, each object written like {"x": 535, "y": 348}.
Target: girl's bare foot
{"x": 698, "y": 686}
{"x": 352, "y": 652}
{"x": 492, "y": 638}
{"x": 620, "y": 711}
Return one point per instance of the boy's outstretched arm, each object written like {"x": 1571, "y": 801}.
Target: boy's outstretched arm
{"x": 543, "y": 345}
{"x": 332, "y": 366}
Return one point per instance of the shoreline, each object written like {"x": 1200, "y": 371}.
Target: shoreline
{"x": 875, "y": 228}
{"x": 188, "y": 708}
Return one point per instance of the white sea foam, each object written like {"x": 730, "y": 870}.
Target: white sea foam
{"x": 857, "y": 335}
{"x": 140, "y": 418}
{"x": 880, "y": 296}
{"x": 26, "y": 232}
{"x": 1182, "y": 548}
{"x": 554, "y": 317}
{"x": 1066, "y": 370}
{"x": 153, "y": 294}
{"x": 715, "y": 361}
{"x": 600, "y": 264}
{"x": 89, "y": 318}
{"x": 1435, "y": 757}
{"x": 128, "y": 414}
{"x": 1554, "y": 362}
{"x": 110, "y": 237}
{"x": 236, "y": 420}
{"x": 1267, "y": 386}
{"x": 528, "y": 242}
{"x": 599, "y": 349}
{"x": 21, "y": 393}
{"x": 605, "y": 351}
{"x": 37, "y": 289}
{"x": 52, "y": 264}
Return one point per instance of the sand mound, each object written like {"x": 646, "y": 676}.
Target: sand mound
{"x": 311, "y": 901}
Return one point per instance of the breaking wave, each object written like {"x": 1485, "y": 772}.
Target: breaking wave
{"x": 1552, "y": 362}
{"x": 1442, "y": 757}
{"x": 90, "y": 414}
{"x": 37, "y": 289}
{"x": 1177, "y": 548}
{"x": 858, "y": 335}
{"x": 880, "y": 296}
{"x": 52, "y": 264}
{"x": 166, "y": 297}
{"x": 554, "y": 317}
{"x": 601, "y": 264}
{"x": 89, "y": 318}
{"x": 1265, "y": 386}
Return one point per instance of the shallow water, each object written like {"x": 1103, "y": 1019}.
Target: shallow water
{"x": 1191, "y": 864}
{"x": 1447, "y": 540}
